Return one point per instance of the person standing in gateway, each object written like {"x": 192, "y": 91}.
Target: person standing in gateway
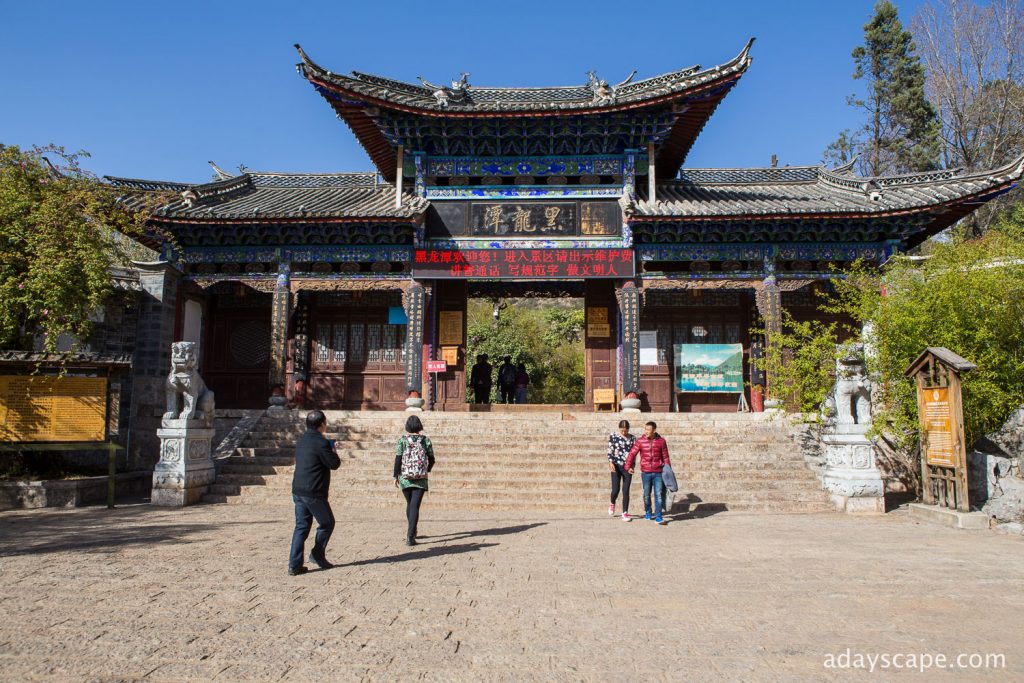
{"x": 507, "y": 381}
{"x": 480, "y": 379}
{"x": 315, "y": 457}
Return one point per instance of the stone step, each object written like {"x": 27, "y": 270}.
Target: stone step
{"x": 528, "y": 495}
{"x": 399, "y": 417}
{"x": 596, "y": 507}
{"x": 533, "y": 455}
{"x": 371, "y": 477}
{"x": 542, "y": 461}
{"x": 448, "y": 441}
{"x": 481, "y": 466}
{"x": 693, "y": 469}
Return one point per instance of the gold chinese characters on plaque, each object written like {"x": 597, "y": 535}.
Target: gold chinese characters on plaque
{"x": 450, "y": 329}
{"x": 597, "y": 322}
{"x": 36, "y": 409}
{"x": 938, "y": 427}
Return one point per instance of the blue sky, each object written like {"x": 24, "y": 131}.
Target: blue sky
{"x": 154, "y": 90}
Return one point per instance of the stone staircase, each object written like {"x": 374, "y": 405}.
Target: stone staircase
{"x": 548, "y": 461}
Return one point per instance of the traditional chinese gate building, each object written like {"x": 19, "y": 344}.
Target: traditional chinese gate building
{"x": 349, "y": 281}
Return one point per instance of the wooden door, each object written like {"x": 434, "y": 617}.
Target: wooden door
{"x": 236, "y": 361}
{"x": 356, "y": 359}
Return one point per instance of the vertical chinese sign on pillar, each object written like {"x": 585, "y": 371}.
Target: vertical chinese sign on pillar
{"x": 413, "y": 301}
{"x": 628, "y": 297}
{"x": 940, "y": 412}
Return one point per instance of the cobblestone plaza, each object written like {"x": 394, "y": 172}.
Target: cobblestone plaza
{"x": 201, "y": 593}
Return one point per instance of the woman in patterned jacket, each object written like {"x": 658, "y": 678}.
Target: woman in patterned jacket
{"x": 619, "y": 445}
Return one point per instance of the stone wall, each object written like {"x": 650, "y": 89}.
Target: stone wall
{"x": 151, "y": 359}
{"x": 16, "y": 495}
{"x": 994, "y": 476}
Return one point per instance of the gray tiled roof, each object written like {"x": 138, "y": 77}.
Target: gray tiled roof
{"x": 256, "y": 195}
{"x": 813, "y": 191}
{"x": 489, "y": 99}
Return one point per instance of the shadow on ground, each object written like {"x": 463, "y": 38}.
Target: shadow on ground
{"x": 436, "y": 551}
{"x": 495, "y": 531}
{"x": 92, "y": 530}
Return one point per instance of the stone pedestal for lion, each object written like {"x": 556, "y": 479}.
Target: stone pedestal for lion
{"x": 185, "y": 470}
{"x": 851, "y": 471}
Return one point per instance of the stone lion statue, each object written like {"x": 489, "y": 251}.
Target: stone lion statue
{"x": 185, "y": 382}
{"x": 851, "y": 397}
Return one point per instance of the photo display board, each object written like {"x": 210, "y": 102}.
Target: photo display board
{"x": 715, "y": 368}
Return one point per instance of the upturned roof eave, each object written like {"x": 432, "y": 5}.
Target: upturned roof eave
{"x": 349, "y": 99}
{"x": 699, "y": 81}
{"x": 996, "y": 181}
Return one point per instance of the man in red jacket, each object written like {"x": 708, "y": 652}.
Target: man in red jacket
{"x": 653, "y": 457}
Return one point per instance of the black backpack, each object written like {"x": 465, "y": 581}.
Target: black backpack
{"x": 507, "y": 375}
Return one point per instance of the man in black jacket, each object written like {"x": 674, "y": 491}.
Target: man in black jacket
{"x": 315, "y": 457}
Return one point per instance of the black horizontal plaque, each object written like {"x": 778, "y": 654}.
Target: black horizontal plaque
{"x": 528, "y": 219}
{"x": 523, "y": 264}
{"x": 524, "y": 219}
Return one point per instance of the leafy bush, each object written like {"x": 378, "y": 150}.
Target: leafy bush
{"x": 799, "y": 362}
{"x": 967, "y": 295}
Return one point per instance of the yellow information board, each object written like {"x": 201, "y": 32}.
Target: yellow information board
{"x": 37, "y": 409}
{"x": 938, "y": 428}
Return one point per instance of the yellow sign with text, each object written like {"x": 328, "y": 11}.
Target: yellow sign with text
{"x": 35, "y": 409}
{"x": 939, "y": 443}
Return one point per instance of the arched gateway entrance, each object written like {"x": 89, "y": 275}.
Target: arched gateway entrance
{"x": 336, "y": 289}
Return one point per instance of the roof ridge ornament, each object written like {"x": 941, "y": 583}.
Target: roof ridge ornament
{"x": 847, "y": 168}
{"x": 604, "y": 93}
{"x": 221, "y": 173}
{"x": 458, "y": 93}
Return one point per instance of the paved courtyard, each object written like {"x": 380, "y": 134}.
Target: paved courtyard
{"x": 202, "y": 594}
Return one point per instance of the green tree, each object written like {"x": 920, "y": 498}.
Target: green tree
{"x": 547, "y": 339}
{"x": 901, "y": 134}
{"x": 974, "y": 56}
{"x": 61, "y": 230}
{"x": 967, "y": 296}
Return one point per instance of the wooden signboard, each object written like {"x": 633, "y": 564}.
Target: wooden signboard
{"x": 937, "y": 427}
{"x": 450, "y": 329}
{"x": 604, "y": 397}
{"x": 450, "y": 355}
{"x": 940, "y": 412}
{"x": 43, "y": 409}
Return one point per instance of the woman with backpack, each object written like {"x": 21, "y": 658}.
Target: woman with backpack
{"x": 414, "y": 458}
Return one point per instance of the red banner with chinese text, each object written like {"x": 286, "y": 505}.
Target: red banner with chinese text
{"x": 529, "y": 264}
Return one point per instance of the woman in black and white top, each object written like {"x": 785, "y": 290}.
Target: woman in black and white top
{"x": 619, "y": 445}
